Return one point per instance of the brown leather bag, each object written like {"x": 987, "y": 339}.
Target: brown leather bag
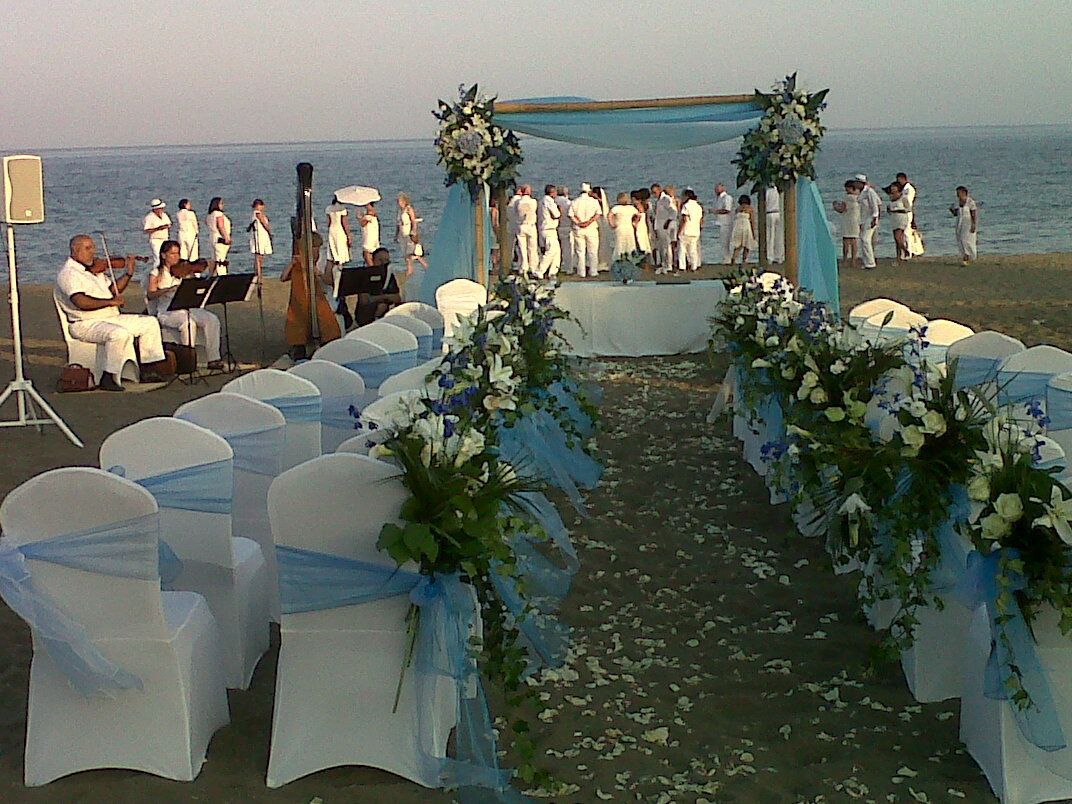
{"x": 180, "y": 359}
{"x": 75, "y": 378}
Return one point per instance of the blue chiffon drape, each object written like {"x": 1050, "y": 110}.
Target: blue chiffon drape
{"x": 817, "y": 254}
{"x": 453, "y": 252}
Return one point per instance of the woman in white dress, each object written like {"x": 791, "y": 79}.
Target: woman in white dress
{"x": 643, "y": 232}
{"x": 743, "y": 237}
{"x": 339, "y": 237}
{"x": 606, "y": 234}
{"x": 162, "y": 286}
{"x": 218, "y": 226}
{"x": 848, "y": 210}
{"x": 370, "y": 232}
{"x": 622, "y": 219}
{"x": 188, "y": 228}
{"x": 900, "y": 212}
{"x": 408, "y": 237}
{"x": 260, "y": 237}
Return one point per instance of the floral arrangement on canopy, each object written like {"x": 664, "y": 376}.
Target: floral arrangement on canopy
{"x": 472, "y": 148}
{"x": 902, "y": 470}
{"x": 784, "y": 145}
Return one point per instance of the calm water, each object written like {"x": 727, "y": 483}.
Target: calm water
{"x": 1018, "y": 175}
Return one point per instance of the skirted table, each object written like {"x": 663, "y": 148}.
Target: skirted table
{"x": 642, "y": 318}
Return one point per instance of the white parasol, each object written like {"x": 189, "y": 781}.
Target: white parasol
{"x": 357, "y": 195}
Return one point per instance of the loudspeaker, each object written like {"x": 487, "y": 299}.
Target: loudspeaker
{"x": 23, "y": 190}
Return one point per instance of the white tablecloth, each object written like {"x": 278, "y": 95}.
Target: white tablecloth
{"x": 643, "y": 318}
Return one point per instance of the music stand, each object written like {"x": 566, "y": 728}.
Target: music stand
{"x": 192, "y": 294}
{"x": 354, "y": 281}
{"x": 225, "y": 289}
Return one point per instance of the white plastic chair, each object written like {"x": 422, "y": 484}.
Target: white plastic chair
{"x": 343, "y": 716}
{"x": 863, "y": 311}
{"x": 876, "y": 329}
{"x": 272, "y": 385}
{"x": 415, "y": 379}
{"x": 941, "y": 334}
{"x": 459, "y": 297}
{"x": 1022, "y": 377}
{"x": 91, "y": 355}
{"x": 353, "y": 353}
{"x": 392, "y": 337}
{"x": 978, "y": 357}
{"x": 238, "y": 419}
{"x": 229, "y": 572}
{"x": 340, "y": 389}
{"x": 168, "y": 639}
{"x": 416, "y": 327}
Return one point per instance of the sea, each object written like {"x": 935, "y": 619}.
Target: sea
{"x": 1019, "y": 176}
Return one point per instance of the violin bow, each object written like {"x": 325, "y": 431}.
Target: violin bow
{"x": 108, "y": 259}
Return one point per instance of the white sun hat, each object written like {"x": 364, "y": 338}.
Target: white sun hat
{"x": 156, "y": 203}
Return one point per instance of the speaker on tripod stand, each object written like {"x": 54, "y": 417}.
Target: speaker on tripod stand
{"x": 23, "y": 202}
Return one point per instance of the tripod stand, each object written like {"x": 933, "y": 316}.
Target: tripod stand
{"x": 26, "y": 396}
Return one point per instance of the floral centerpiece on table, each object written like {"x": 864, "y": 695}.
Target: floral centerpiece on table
{"x": 783, "y": 146}
{"x": 472, "y": 148}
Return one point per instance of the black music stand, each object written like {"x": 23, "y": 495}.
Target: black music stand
{"x": 353, "y": 281}
{"x": 226, "y": 289}
{"x": 192, "y": 294}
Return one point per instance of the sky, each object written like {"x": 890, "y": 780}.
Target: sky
{"x": 96, "y": 73}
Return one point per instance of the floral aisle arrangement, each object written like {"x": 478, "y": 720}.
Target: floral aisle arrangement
{"x": 471, "y": 147}
{"x": 784, "y": 145}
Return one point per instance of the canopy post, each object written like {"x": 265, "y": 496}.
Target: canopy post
{"x": 763, "y": 234}
{"x": 789, "y": 221}
{"x": 506, "y": 251}
{"x": 480, "y": 237}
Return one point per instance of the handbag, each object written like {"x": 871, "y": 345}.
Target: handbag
{"x": 180, "y": 359}
{"x": 75, "y": 377}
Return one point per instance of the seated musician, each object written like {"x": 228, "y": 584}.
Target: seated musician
{"x": 372, "y": 306}
{"x": 91, "y": 302}
{"x": 164, "y": 280}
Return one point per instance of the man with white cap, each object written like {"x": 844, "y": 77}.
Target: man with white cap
{"x": 565, "y": 233}
{"x": 157, "y": 225}
{"x": 723, "y": 213}
{"x": 527, "y": 235}
{"x": 584, "y": 216}
{"x": 775, "y": 230}
{"x": 870, "y": 205}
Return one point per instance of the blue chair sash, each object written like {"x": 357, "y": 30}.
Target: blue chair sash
{"x": 425, "y": 346}
{"x": 258, "y": 451}
{"x": 313, "y": 581}
{"x": 952, "y": 551}
{"x": 125, "y": 550}
{"x": 206, "y": 487}
{"x": 1022, "y": 386}
{"x": 374, "y": 370}
{"x": 973, "y": 370}
{"x": 437, "y": 339}
{"x": 1038, "y": 723}
{"x": 297, "y": 408}
{"x": 340, "y": 410}
{"x": 1059, "y": 408}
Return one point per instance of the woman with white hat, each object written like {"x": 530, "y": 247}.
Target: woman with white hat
{"x": 157, "y": 225}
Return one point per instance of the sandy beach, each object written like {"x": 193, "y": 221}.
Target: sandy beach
{"x": 697, "y": 607}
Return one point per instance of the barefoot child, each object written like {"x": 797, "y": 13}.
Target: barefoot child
{"x": 848, "y": 210}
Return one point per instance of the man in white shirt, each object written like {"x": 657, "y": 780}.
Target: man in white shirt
{"x": 188, "y": 229}
{"x": 565, "y": 231}
{"x": 551, "y": 253}
{"x": 775, "y": 230}
{"x": 511, "y": 223}
{"x": 91, "y": 303}
{"x": 688, "y": 239}
{"x": 527, "y": 236}
{"x": 666, "y": 230}
{"x": 870, "y": 205}
{"x": 723, "y": 212}
{"x": 653, "y": 206}
{"x": 157, "y": 225}
{"x": 912, "y": 236}
{"x": 584, "y": 220}
{"x": 967, "y": 215}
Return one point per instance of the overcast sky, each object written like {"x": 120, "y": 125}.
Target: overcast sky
{"x": 120, "y": 73}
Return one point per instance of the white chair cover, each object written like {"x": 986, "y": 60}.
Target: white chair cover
{"x": 876, "y": 329}
{"x": 229, "y": 572}
{"x": 344, "y": 717}
{"x": 91, "y": 355}
{"x": 459, "y": 297}
{"x": 257, "y": 433}
{"x": 1022, "y": 378}
{"x": 978, "y": 357}
{"x": 392, "y": 337}
{"x": 416, "y": 327}
{"x": 1059, "y": 410}
{"x": 168, "y": 639}
{"x": 340, "y": 390}
{"x": 371, "y": 362}
{"x": 863, "y": 311}
{"x": 281, "y": 390}
{"x": 425, "y": 312}
{"x": 941, "y": 334}
{"x": 415, "y": 379}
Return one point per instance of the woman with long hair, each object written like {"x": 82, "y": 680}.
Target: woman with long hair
{"x": 408, "y": 237}
{"x": 162, "y": 286}
{"x": 218, "y": 226}
{"x": 260, "y": 237}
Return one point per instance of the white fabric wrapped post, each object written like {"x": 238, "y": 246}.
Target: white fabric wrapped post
{"x": 978, "y": 357}
{"x": 257, "y": 434}
{"x": 167, "y": 640}
{"x": 863, "y": 311}
{"x": 459, "y": 297}
{"x": 323, "y": 720}
{"x": 342, "y": 394}
{"x": 299, "y": 402}
{"x": 190, "y": 472}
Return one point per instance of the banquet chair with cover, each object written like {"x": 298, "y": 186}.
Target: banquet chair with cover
{"x": 91, "y": 355}
{"x": 426, "y": 313}
{"x": 1022, "y": 378}
{"x": 942, "y": 333}
{"x": 864, "y": 310}
{"x": 1059, "y": 410}
{"x": 344, "y": 717}
{"x": 402, "y": 347}
{"x": 414, "y": 379}
{"x": 459, "y": 297}
{"x": 416, "y": 327}
{"x": 189, "y": 470}
{"x": 149, "y": 690}
{"x": 256, "y": 432}
{"x": 369, "y": 360}
{"x": 891, "y": 326}
{"x": 299, "y": 402}
{"x": 342, "y": 394}
{"x": 978, "y": 357}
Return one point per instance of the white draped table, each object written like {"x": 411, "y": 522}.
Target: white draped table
{"x": 642, "y": 318}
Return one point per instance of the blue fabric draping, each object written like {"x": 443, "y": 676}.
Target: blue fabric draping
{"x": 313, "y": 581}
{"x": 1022, "y": 386}
{"x": 453, "y": 252}
{"x": 952, "y": 551}
{"x": 258, "y": 451}
{"x": 206, "y": 487}
{"x": 564, "y": 393}
{"x": 125, "y": 549}
{"x": 645, "y": 129}
{"x": 339, "y": 410}
{"x": 546, "y": 581}
{"x": 817, "y": 254}
{"x": 425, "y": 346}
{"x": 297, "y": 408}
{"x": 973, "y": 370}
{"x": 1059, "y": 408}
{"x": 1039, "y": 722}
{"x": 374, "y": 370}
{"x": 437, "y": 340}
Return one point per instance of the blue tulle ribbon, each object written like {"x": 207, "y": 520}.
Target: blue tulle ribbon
{"x": 1022, "y": 386}
{"x": 973, "y": 370}
{"x": 297, "y": 408}
{"x": 377, "y": 368}
{"x": 564, "y": 393}
{"x": 206, "y": 487}
{"x": 425, "y": 346}
{"x": 340, "y": 411}
{"x": 952, "y": 551}
{"x": 1059, "y": 408}
{"x": 258, "y": 451}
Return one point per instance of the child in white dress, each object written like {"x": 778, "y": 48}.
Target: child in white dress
{"x": 743, "y": 237}
{"x": 848, "y": 209}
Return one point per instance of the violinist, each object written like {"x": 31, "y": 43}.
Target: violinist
{"x": 164, "y": 280}
{"x": 91, "y": 302}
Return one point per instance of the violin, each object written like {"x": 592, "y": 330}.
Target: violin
{"x": 100, "y": 264}
{"x": 186, "y": 268}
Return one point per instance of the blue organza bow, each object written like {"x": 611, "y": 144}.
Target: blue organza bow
{"x": 952, "y": 552}
{"x": 564, "y": 394}
{"x": 979, "y": 587}
{"x": 297, "y": 408}
{"x": 206, "y": 487}
{"x": 340, "y": 410}
{"x": 1022, "y": 386}
{"x": 124, "y": 549}
{"x": 1059, "y": 408}
{"x": 258, "y": 451}
{"x": 313, "y": 581}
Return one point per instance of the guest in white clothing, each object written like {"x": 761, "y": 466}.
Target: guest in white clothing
{"x": 408, "y": 237}
{"x": 188, "y": 229}
{"x": 967, "y": 214}
{"x": 511, "y": 224}
{"x": 585, "y": 212}
{"x": 653, "y": 209}
{"x": 639, "y": 199}
{"x": 550, "y": 250}
{"x": 870, "y": 208}
{"x": 161, "y": 289}
{"x": 723, "y": 212}
{"x": 565, "y": 231}
{"x": 260, "y": 237}
{"x": 622, "y": 220}
{"x": 775, "y": 230}
{"x": 528, "y": 243}
{"x": 606, "y": 236}
{"x": 370, "y": 232}
{"x": 339, "y": 236}
{"x": 848, "y": 210}
{"x": 688, "y": 239}
{"x": 157, "y": 225}
{"x": 743, "y": 238}
{"x": 912, "y": 234}
{"x": 666, "y": 217}
{"x": 218, "y": 227}
{"x": 900, "y": 219}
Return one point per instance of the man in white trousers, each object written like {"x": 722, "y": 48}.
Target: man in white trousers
{"x": 527, "y": 236}
{"x": 551, "y": 253}
{"x": 666, "y": 230}
{"x": 870, "y": 206}
{"x": 688, "y": 239}
{"x": 967, "y": 214}
{"x": 91, "y": 303}
{"x": 157, "y": 225}
{"x": 584, "y": 221}
{"x": 565, "y": 231}
{"x": 775, "y": 230}
{"x": 723, "y": 212}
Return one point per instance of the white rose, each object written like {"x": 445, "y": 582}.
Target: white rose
{"x": 838, "y": 367}
{"x": 979, "y": 488}
{"x": 1009, "y": 506}
{"x": 818, "y": 396}
{"x": 913, "y": 438}
{"x": 934, "y": 423}
{"x": 994, "y": 527}
{"x": 854, "y": 504}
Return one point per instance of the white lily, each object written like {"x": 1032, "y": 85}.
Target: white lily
{"x": 1058, "y": 515}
